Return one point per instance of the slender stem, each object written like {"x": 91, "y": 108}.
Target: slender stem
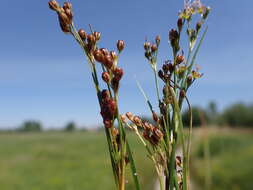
{"x": 156, "y": 82}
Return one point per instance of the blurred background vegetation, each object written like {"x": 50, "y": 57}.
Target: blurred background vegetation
{"x": 73, "y": 157}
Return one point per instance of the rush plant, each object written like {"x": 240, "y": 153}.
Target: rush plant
{"x": 165, "y": 136}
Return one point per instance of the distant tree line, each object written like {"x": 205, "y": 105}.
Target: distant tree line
{"x": 36, "y": 126}
{"x": 236, "y": 115}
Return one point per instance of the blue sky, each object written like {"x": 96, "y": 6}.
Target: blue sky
{"x": 44, "y": 76}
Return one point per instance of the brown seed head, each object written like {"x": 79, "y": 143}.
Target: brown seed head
{"x": 180, "y": 24}
{"x": 120, "y": 45}
{"x": 106, "y": 77}
{"x": 147, "y": 46}
{"x": 108, "y": 123}
{"x": 189, "y": 80}
{"x": 123, "y": 118}
{"x": 67, "y": 5}
{"x": 153, "y": 48}
{"x": 160, "y": 74}
{"x": 64, "y": 22}
{"x": 108, "y": 61}
{"x": 82, "y": 34}
{"x": 179, "y": 59}
{"x": 155, "y": 117}
{"x": 105, "y": 51}
{"x": 173, "y": 35}
{"x": 69, "y": 13}
{"x": 105, "y": 95}
{"x": 118, "y": 73}
{"x": 198, "y": 26}
{"x": 130, "y": 116}
{"x": 97, "y": 35}
{"x": 53, "y": 4}
{"x": 91, "y": 39}
{"x": 158, "y": 40}
{"x": 98, "y": 55}
{"x": 113, "y": 55}
{"x": 137, "y": 121}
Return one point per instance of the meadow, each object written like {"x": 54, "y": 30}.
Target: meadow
{"x": 63, "y": 161}
{"x": 222, "y": 159}
{"x": 79, "y": 161}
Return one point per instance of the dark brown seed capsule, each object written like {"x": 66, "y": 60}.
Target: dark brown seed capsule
{"x": 97, "y": 35}
{"x": 179, "y": 59}
{"x": 118, "y": 73}
{"x": 91, "y": 39}
{"x": 146, "y": 46}
{"x": 160, "y": 74}
{"x": 153, "y": 48}
{"x": 67, "y": 5}
{"x": 106, "y": 77}
{"x": 158, "y": 40}
{"x": 105, "y": 94}
{"x": 98, "y": 55}
{"x": 54, "y": 5}
{"x": 120, "y": 45}
{"x": 113, "y": 55}
{"x": 180, "y": 24}
{"x": 82, "y": 34}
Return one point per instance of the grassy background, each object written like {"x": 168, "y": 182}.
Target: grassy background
{"x": 63, "y": 161}
{"x": 231, "y": 156}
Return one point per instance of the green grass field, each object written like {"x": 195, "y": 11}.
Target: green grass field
{"x": 231, "y": 156}
{"x": 63, "y": 161}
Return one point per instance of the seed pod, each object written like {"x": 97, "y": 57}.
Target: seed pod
{"x": 105, "y": 94}
{"x": 182, "y": 93}
{"x": 97, "y": 35}
{"x": 106, "y": 77}
{"x": 148, "y": 54}
{"x": 118, "y": 73}
{"x": 120, "y": 45}
{"x": 115, "y": 84}
{"x": 115, "y": 132}
{"x": 82, "y": 34}
{"x": 53, "y": 4}
{"x": 105, "y": 51}
{"x": 91, "y": 39}
{"x": 206, "y": 13}
{"x": 64, "y": 22}
{"x": 165, "y": 68}
{"x": 130, "y": 116}
{"x": 179, "y": 59}
{"x": 69, "y": 13}
{"x": 155, "y": 117}
{"x": 147, "y": 46}
{"x": 189, "y": 80}
{"x": 113, "y": 55}
{"x": 67, "y": 5}
{"x": 180, "y": 24}
{"x": 108, "y": 61}
{"x": 158, "y": 40}
{"x": 198, "y": 26}
{"x": 98, "y": 55}
{"x": 153, "y": 48}
{"x": 160, "y": 74}
{"x": 137, "y": 121}
{"x": 108, "y": 123}
{"x": 123, "y": 118}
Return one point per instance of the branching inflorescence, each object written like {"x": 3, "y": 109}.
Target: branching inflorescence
{"x": 165, "y": 135}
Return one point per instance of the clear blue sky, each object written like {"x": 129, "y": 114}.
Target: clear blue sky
{"x": 44, "y": 76}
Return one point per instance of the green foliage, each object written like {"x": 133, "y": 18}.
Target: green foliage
{"x": 71, "y": 126}
{"x": 231, "y": 157}
{"x": 64, "y": 161}
{"x": 238, "y": 114}
{"x": 199, "y": 117}
{"x": 30, "y": 126}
